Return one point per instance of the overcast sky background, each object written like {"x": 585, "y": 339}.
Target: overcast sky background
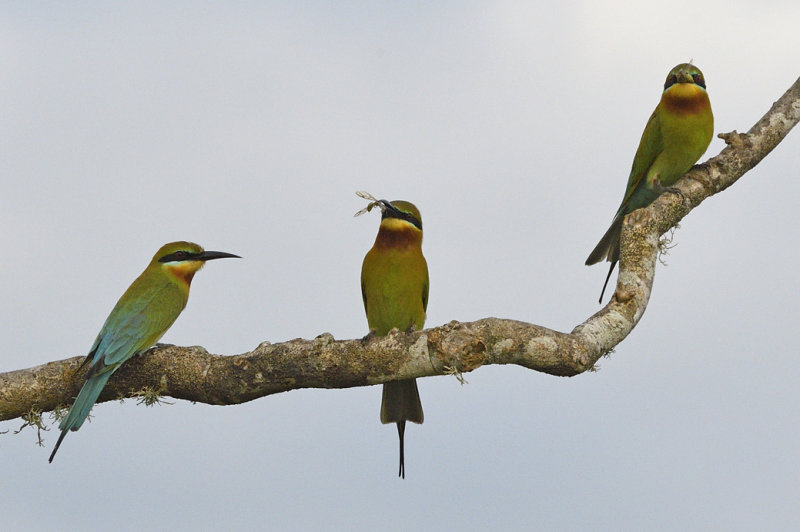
{"x": 512, "y": 126}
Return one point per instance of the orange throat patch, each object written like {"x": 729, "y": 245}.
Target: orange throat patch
{"x": 395, "y": 233}
{"x": 184, "y": 271}
{"x": 685, "y": 99}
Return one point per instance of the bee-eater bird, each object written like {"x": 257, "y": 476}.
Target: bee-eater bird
{"x": 677, "y": 134}
{"x": 394, "y": 286}
{"x": 141, "y": 316}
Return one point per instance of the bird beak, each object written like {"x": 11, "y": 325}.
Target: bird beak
{"x": 387, "y": 206}
{"x": 684, "y": 76}
{"x": 211, "y": 255}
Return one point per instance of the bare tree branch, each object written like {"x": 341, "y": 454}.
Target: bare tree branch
{"x": 192, "y": 373}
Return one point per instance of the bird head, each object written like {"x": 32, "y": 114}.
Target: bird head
{"x": 685, "y": 73}
{"x": 183, "y": 259}
{"x": 393, "y": 212}
{"x": 401, "y": 210}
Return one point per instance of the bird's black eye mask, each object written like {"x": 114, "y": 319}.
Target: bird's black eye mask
{"x": 177, "y": 256}
{"x": 697, "y": 78}
{"x": 390, "y": 211}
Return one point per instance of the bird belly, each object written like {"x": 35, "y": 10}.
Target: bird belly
{"x": 391, "y": 310}
{"x": 685, "y": 142}
{"x": 393, "y": 289}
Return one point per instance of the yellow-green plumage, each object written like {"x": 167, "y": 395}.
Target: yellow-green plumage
{"x": 677, "y": 134}
{"x": 394, "y": 286}
{"x": 149, "y": 306}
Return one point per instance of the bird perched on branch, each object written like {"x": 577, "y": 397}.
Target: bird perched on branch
{"x": 677, "y": 134}
{"x": 141, "y": 316}
{"x": 394, "y": 287}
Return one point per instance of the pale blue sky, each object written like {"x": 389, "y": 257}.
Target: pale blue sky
{"x": 512, "y": 126}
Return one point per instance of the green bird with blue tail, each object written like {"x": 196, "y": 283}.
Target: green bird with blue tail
{"x": 141, "y": 316}
{"x": 677, "y": 134}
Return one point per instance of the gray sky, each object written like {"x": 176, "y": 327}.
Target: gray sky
{"x": 512, "y": 126}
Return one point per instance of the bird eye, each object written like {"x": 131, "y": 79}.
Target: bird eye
{"x": 672, "y": 80}
{"x": 698, "y": 79}
{"x": 413, "y": 220}
{"x": 175, "y": 256}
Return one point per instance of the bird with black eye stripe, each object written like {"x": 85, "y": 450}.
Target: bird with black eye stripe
{"x": 141, "y": 316}
{"x": 677, "y": 134}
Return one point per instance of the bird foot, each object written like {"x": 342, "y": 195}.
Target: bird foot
{"x": 369, "y": 336}
{"x": 671, "y": 190}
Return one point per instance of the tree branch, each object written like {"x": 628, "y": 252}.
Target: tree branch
{"x": 193, "y": 374}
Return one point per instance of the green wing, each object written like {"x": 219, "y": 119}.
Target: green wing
{"x": 135, "y": 324}
{"x": 364, "y": 295}
{"x": 650, "y": 146}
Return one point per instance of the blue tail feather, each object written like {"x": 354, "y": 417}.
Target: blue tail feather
{"x": 82, "y": 406}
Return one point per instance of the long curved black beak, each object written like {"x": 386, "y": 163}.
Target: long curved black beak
{"x": 211, "y": 255}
